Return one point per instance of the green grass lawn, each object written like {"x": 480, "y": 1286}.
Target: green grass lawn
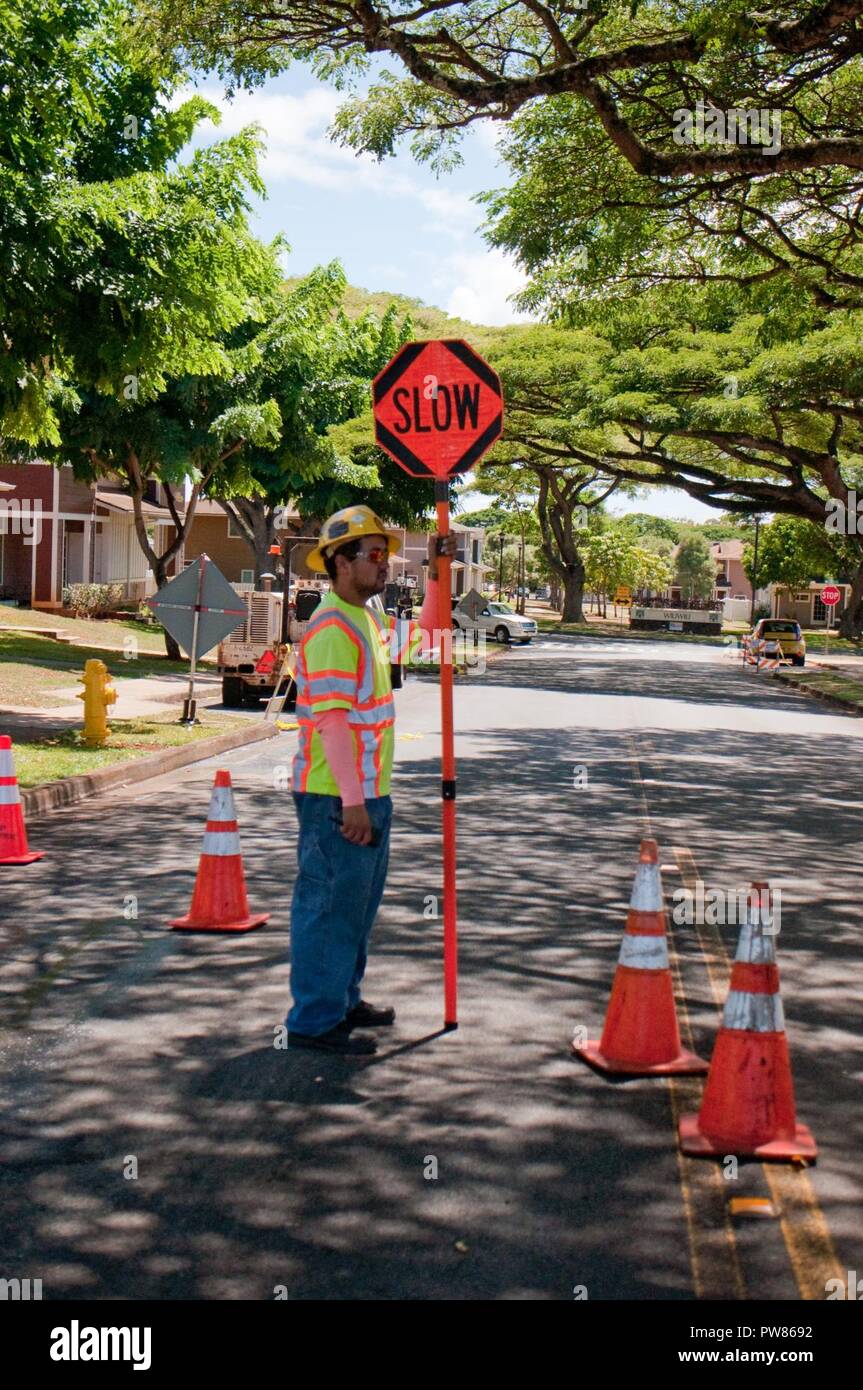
{"x": 817, "y": 644}
{"x": 33, "y": 668}
{"x": 829, "y": 683}
{"x": 100, "y": 632}
{"x": 64, "y": 755}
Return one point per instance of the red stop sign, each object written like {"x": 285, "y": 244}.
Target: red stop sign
{"x": 438, "y": 407}
{"x": 830, "y": 596}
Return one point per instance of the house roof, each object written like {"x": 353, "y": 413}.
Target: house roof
{"x": 122, "y": 502}
{"x": 727, "y": 550}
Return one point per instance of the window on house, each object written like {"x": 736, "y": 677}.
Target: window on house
{"x": 247, "y": 576}
{"x": 234, "y": 531}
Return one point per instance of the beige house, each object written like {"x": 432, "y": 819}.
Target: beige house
{"x": 468, "y": 569}
{"x": 804, "y": 604}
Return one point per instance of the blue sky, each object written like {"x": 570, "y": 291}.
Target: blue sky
{"x": 394, "y": 225}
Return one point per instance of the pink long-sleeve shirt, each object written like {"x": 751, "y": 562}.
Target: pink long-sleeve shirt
{"x": 335, "y": 731}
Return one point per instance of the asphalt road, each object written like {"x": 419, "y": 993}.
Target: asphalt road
{"x": 481, "y": 1164}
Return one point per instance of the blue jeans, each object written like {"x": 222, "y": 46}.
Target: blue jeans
{"x": 337, "y": 893}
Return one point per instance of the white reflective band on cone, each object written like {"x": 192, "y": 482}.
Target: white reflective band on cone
{"x": 221, "y": 843}
{"x": 222, "y": 804}
{"x": 643, "y": 952}
{"x": 754, "y": 1013}
{"x": 647, "y": 889}
{"x": 7, "y": 767}
{"x": 9, "y": 796}
{"x": 753, "y": 946}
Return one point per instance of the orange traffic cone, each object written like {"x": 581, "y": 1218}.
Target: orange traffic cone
{"x": 748, "y": 1105}
{"x": 13, "y": 836}
{"x": 219, "y": 902}
{"x": 641, "y": 1037}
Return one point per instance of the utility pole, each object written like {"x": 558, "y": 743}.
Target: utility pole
{"x": 500, "y": 569}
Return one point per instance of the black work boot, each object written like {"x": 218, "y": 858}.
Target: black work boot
{"x": 338, "y": 1039}
{"x": 365, "y": 1015}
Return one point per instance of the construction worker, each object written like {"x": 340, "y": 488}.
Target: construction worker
{"x": 341, "y": 776}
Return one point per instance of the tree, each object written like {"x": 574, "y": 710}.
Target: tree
{"x": 613, "y": 559}
{"x": 649, "y": 143}
{"x": 694, "y": 567}
{"x": 537, "y": 451}
{"x": 629, "y": 66}
{"x": 515, "y": 501}
{"x": 652, "y": 570}
{"x": 187, "y": 436}
{"x": 791, "y": 552}
{"x": 746, "y": 413}
{"x": 103, "y": 239}
{"x": 317, "y": 365}
{"x": 643, "y": 525}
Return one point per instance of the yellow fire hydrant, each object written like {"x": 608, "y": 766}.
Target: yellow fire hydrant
{"x": 97, "y": 694}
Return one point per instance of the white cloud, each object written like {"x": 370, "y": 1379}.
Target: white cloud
{"x": 437, "y": 248}
{"x": 298, "y": 147}
{"x": 485, "y": 280}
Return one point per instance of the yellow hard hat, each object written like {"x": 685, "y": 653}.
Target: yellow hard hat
{"x": 349, "y": 525}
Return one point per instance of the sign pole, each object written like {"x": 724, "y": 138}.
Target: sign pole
{"x": 450, "y": 916}
{"x": 438, "y": 408}
{"x": 188, "y": 715}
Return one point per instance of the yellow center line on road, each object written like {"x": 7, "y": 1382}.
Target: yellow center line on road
{"x": 804, "y": 1227}
{"x": 714, "y": 1258}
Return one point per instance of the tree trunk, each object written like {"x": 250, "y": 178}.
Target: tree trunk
{"x": 160, "y": 574}
{"x": 851, "y": 622}
{"x": 255, "y": 518}
{"x": 573, "y": 593}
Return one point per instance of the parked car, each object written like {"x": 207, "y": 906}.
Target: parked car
{"x": 498, "y": 619}
{"x": 780, "y": 636}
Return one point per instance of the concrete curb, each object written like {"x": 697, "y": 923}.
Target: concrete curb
{"x": 37, "y": 801}
{"x": 834, "y": 701}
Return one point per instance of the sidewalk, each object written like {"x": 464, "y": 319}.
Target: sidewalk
{"x": 136, "y": 698}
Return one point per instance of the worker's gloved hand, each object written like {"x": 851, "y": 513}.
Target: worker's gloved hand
{"x": 441, "y": 545}
{"x": 356, "y": 825}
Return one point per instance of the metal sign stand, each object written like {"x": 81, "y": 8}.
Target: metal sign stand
{"x": 190, "y": 704}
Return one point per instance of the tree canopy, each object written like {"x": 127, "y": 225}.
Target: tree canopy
{"x": 117, "y": 264}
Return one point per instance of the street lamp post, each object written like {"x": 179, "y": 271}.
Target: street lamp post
{"x": 500, "y": 569}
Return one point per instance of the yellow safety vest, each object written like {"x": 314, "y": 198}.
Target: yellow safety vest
{"x": 344, "y": 663}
